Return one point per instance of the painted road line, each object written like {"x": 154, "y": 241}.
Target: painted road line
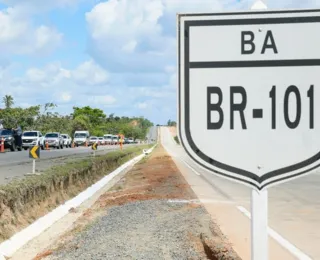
{"x": 199, "y": 201}
{"x": 193, "y": 170}
{"x": 282, "y": 241}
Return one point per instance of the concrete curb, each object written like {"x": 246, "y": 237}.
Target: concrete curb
{"x": 10, "y": 246}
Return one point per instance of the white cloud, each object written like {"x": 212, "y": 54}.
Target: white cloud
{"x": 18, "y": 35}
{"x": 89, "y": 73}
{"x": 105, "y": 100}
{"x": 40, "y": 6}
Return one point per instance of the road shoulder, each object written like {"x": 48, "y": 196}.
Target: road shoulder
{"x": 152, "y": 212}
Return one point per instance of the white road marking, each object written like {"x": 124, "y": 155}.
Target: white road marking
{"x": 282, "y": 241}
{"x": 190, "y": 167}
{"x": 199, "y": 201}
{"x": 277, "y": 237}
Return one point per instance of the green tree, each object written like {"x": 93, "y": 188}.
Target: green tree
{"x": 8, "y": 101}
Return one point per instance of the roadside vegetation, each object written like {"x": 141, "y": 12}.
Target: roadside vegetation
{"x": 24, "y": 200}
{"x": 44, "y": 118}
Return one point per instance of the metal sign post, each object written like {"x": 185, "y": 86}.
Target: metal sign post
{"x": 259, "y": 206}
{"x": 33, "y": 166}
{"x": 248, "y": 90}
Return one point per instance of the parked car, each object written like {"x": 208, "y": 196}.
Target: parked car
{"x": 32, "y": 138}
{"x": 108, "y": 139}
{"x": 130, "y": 140}
{"x": 10, "y": 140}
{"x": 54, "y": 139}
{"x": 92, "y": 140}
{"x": 67, "y": 140}
{"x": 101, "y": 140}
{"x": 115, "y": 139}
{"x": 81, "y": 137}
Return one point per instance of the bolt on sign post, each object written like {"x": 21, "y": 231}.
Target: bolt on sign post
{"x": 248, "y": 99}
{"x": 34, "y": 153}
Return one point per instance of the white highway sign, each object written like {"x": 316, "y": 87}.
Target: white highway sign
{"x": 249, "y": 93}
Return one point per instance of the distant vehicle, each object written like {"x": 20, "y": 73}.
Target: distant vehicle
{"x": 101, "y": 140}
{"x": 32, "y": 138}
{"x": 108, "y": 138}
{"x": 10, "y": 141}
{"x": 115, "y": 139}
{"x": 126, "y": 140}
{"x": 54, "y": 139}
{"x": 130, "y": 140}
{"x": 81, "y": 137}
{"x": 67, "y": 140}
{"x": 93, "y": 139}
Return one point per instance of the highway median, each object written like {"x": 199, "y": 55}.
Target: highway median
{"x": 23, "y": 201}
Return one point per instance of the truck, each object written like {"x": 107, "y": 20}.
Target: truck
{"x": 108, "y": 138}
{"x": 115, "y": 139}
{"x": 81, "y": 137}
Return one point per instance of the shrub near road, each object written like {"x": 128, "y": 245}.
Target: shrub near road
{"x": 152, "y": 213}
{"x": 25, "y": 200}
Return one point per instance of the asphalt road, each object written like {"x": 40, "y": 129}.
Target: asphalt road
{"x": 152, "y": 134}
{"x": 18, "y": 164}
{"x": 294, "y": 208}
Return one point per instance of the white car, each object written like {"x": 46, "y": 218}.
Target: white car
{"x": 32, "y": 138}
{"x": 93, "y": 139}
{"x": 67, "y": 141}
{"x": 54, "y": 139}
{"x": 101, "y": 140}
{"x": 108, "y": 138}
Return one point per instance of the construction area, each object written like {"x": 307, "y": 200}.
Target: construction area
{"x": 150, "y": 213}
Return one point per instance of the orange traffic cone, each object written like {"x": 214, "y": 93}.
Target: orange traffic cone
{"x": 86, "y": 144}
{"x": 2, "y": 145}
{"x": 47, "y": 146}
{"x": 72, "y": 145}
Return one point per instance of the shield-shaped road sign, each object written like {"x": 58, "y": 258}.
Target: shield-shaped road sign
{"x": 249, "y": 93}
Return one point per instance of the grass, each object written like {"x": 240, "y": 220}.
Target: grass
{"x": 24, "y": 200}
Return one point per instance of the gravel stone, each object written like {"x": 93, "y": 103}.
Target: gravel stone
{"x": 150, "y": 230}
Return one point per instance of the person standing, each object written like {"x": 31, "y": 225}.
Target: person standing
{"x": 18, "y": 134}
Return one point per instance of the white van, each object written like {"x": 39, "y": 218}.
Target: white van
{"x": 81, "y": 137}
{"x": 115, "y": 139}
{"x": 108, "y": 138}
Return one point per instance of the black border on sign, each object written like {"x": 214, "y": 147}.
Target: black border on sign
{"x": 233, "y": 64}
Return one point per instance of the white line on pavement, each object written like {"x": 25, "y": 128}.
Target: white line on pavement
{"x": 282, "y": 241}
{"x": 190, "y": 167}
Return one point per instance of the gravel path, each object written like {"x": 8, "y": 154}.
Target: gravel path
{"x": 151, "y": 213}
{"x": 141, "y": 230}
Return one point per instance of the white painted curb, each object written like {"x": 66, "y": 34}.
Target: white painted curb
{"x": 10, "y": 246}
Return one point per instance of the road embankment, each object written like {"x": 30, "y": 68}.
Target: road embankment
{"x": 151, "y": 213}
{"x": 24, "y": 200}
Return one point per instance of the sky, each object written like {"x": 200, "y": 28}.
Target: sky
{"x": 116, "y": 55}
